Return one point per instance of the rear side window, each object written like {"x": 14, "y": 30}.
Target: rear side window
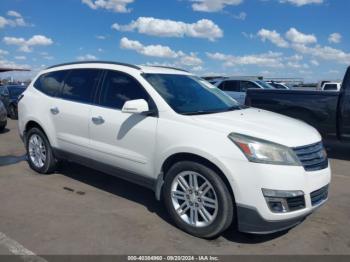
{"x": 118, "y": 88}
{"x": 330, "y": 87}
{"x": 51, "y": 83}
{"x": 80, "y": 85}
{"x": 231, "y": 86}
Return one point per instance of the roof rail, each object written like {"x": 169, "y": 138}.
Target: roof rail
{"x": 96, "y": 62}
{"x": 169, "y": 67}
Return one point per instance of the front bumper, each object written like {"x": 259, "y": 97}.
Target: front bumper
{"x": 253, "y": 213}
{"x": 250, "y": 221}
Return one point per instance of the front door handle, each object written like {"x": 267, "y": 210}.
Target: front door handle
{"x": 98, "y": 120}
{"x": 54, "y": 110}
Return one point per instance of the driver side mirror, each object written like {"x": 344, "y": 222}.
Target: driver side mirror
{"x": 137, "y": 106}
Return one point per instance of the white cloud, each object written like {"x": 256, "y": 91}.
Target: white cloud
{"x": 241, "y": 16}
{"x": 21, "y": 57}
{"x": 295, "y": 58}
{"x": 213, "y": 5}
{"x": 324, "y": 52}
{"x": 3, "y": 22}
{"x": 3, "y": 52}
{"x": 273, "y": 37}
{"x": 203, "y": 28}
{"x": 150, "y": 50}
{"x": 10, "y": 64}
{"x": 302, "y": 2}
{"x": 15, "y": 20}
{"x": 314, "y": 62}
{"x": 335, "y": 38}
{"x": 101, "y": 37}
{"x": 269, "y": 59}
{"x": 162, "y": 52}
{"x": 191, "y": 60}
{"x": 27, "y": 45}
{"x": 86, "y": 57}
{"x": 295, "y": 36}
{"x": 249, "y": 36}
{"x": 13, "y": 13}
{"x": 297, "y": 65}
{"x": 118, "y": 6}
{"x": 306, "y": 44}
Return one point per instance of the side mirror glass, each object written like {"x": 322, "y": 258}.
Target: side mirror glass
{"x": 135, "y": 106}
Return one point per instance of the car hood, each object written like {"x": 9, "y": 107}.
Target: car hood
{"x": 261, "y": 124}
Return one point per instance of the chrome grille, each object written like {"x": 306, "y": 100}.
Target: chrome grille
{"x": 313, "y": 157}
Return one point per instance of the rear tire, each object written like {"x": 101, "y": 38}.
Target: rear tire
{"x": 39, "y": 152}
{"x": 13, "y": 113}
{"x": 203, "y": 208}
{"x": 2, "y": 127}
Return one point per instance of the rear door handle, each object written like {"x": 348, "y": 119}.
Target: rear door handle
{"x": 54, "y": 110}
{"x": 98, "y": 120}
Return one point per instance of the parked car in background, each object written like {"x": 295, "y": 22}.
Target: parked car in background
{"x": 3, "y": 117}
{"x": 321, "y": 83}
{"x": 329, "y": 112}
{"x": 331, "y": 86}
{"x": 211, "y": 160}
{"x": 9, "y": 96}
{"x": 279, "y": 85}
{"x": 237, "y": 87}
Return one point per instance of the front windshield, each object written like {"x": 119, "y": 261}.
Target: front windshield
{"x": 265, "y": 85}
{"x": 191, "y": 95}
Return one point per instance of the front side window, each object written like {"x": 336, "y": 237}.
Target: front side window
{"x": 50, "y": 83}
{"x": 264, "y": 85}
{"x": 118, "y": 88}
{"x": 191, "y": 95}
{"x": 248, "y": 85}
{"x": 80, "y": 85}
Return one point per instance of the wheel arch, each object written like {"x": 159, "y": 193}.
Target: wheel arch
{"x": 186, "y": 156}
{"x": 31, "y": 124}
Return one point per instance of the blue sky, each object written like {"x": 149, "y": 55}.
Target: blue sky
{"x": 275, "y": 38}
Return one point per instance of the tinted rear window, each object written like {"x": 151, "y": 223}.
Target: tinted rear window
{"x": 50, "y": 83}
{"x": 231, "y": 86}
{"x": 80, "y": 85}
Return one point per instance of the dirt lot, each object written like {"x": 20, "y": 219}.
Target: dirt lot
{"x": 81, "y": 211}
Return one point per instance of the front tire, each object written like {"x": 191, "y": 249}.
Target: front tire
{"x": 39, "y": 152}
{"x": 197, "y": 199}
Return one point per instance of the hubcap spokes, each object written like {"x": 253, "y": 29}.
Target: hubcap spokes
{"x": 37, "y": 151}
{"x": 194, "y": 199}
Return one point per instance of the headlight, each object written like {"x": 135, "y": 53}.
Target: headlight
{"x": 262, "y": 151}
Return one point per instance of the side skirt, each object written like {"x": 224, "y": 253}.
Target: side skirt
{"x": 150, "y": 183}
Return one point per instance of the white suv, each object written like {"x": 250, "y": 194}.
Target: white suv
{"x": 211, "y": 160}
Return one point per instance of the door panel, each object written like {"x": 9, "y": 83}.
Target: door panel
{"x": 70, "y": 120}
{"x": 70, "y": 112}
{"x": 124, "y": 140}
{"x": 119, "y": 139}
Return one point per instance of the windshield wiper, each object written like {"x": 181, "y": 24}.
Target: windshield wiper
{"x": 202, "y": 112}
